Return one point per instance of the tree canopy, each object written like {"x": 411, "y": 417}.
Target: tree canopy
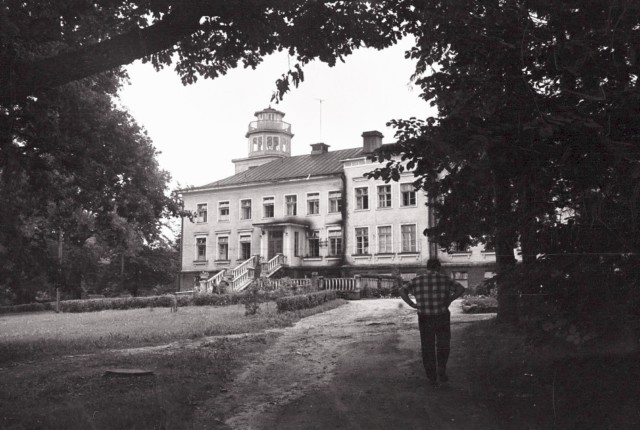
{"x": 537, "y": 141}
{"x": 45, "y": 46}
{"x": 79, "y": 182}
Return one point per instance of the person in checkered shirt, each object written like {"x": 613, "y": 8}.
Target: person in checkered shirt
{"x": 434, "y": 292}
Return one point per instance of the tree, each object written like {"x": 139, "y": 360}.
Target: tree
{"x": 537, "y": 106}
{"x": 45, "y": 46}
{"x": 78, "y": 183}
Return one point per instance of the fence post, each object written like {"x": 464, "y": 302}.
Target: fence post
{"x": 358, "y": 282}
{"x": 57, "y": 300}
{"x": 314, "y": 280}
{"x": 320, "y": 283}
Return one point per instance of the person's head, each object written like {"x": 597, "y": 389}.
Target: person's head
{"x": 433, "y": 264}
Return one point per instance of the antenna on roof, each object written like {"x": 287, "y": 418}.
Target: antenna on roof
{"x": 320, "y": 100}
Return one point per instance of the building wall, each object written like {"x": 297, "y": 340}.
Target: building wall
{"x": 380, "y": 258}
{"x": 234, "y": 227}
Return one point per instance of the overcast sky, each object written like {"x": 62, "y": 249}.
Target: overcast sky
{"x": 200, "y": 128}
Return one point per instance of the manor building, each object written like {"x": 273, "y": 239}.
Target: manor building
{"x": 313, "y": 213}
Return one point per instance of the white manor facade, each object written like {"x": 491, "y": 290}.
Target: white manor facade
{"x": 313, "y": 213}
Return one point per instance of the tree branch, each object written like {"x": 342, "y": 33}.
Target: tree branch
{"x": 25, "y": 78}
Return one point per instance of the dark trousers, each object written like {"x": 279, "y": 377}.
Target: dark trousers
{"x": 435, "y": 336}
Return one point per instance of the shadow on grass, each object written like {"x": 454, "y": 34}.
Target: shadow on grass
{"x": 542, "y": 387}
{"x": 55, "y": 391}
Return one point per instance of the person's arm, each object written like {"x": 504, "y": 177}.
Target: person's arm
{"x": 405, "y": 296}
{"x": 455, "y": 291}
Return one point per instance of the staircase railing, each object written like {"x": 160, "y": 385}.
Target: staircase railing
{"x": 242, "y": 268}
{"x": 213, "y": 281}
{"x": 270, "y": 267}
{"x": 240, "y": 276}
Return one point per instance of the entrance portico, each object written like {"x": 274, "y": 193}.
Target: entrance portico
{"x": 283, "y": 237}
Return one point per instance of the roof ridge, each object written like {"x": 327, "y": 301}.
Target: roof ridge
{"x": 303, "y": 165}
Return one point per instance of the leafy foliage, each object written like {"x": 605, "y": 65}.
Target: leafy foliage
{"x": 304, "y": 301}
{"x": 65, "y": 41}
{"x": 536, "y": 134}
{"x": 90, "y": 189}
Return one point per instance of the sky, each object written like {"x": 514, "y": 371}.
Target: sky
{"x": 200, "y": 128}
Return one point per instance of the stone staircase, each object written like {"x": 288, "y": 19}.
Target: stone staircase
{"x": 238, "y": 278}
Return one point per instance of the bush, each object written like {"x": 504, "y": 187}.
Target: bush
{"x": 164, "y": 301}
{"x": 304, "y": 301}
{"x": 29, "y": 307}
{"x": 479, "y": 305}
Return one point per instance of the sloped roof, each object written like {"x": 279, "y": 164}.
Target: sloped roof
{"x": 300, "y": 166}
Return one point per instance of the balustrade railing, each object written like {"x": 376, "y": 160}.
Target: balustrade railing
{"x": 243, "y": 268}
{"x": 212, "y": 282}
{"x": 340, "y": 284}
{"x": 274, "y": 264}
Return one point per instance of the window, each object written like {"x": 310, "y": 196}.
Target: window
{"x": 335, "y": 201}
{"x": 362, "y": 240}
{"x": 245, "y": 209}
{"x": 268, "y": 207}
{"x": 313, "y": 203}
{"x": 269, "y": 142}
{"x": 201, "y": 248}
{"x": 223, "y": 248}
{"x": 201, "y": 212}
{"x": 408, "y": 193}
{"x": 255, "y": 143}
{"x": 460, "y": 248}
{"x": 296, "y": 244}
{"x": 314, "y": 244}
{"x": 384, "y": 196}
{"x": 335, "y": 242}
{"x": 461, "y": 277}
{"x": 385, "y": 245}
{"x": 362, "y": 198}
{"x": 223, "y": 211}
{"x": 291, "y": 203}
{"x": 276, "y": 142}
{"x": 408, "y": 233}
{"x": 245, "y": 247}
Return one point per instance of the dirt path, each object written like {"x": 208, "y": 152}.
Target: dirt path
{"x": 357, "y": 366}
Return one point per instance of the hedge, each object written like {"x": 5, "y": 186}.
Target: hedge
{"x": 304, "y": 301}
{"x": 29, "y": 307}
{"x": 165, "y": 301}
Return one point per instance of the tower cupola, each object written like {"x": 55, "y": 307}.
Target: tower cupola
{"x": 268, "y": 138}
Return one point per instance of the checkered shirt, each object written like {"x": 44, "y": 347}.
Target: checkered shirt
{"x": 433, "y": 291}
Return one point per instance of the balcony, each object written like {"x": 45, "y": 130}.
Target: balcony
{"x": 268, "y": 125}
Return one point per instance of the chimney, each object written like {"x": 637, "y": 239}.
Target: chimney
{"x": 319, "y": 148}
{"x": 371, "y": 140}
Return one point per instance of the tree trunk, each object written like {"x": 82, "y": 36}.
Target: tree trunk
{"x": 504, "y": 238}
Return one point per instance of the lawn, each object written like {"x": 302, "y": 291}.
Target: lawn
{"x": 27, "y": 336}
{"x": 53, "y": 364}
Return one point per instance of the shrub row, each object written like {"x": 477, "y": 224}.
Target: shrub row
{"x": 165, "y": 301}
{"x": 29, "y": 307}
{"x": 304, "y": 301}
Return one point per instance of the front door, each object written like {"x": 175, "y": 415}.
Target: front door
{"x": 274, "y": 245}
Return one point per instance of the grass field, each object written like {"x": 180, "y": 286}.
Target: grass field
{"x": 28, "y": 336}
{"x": 52, "y": 365}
